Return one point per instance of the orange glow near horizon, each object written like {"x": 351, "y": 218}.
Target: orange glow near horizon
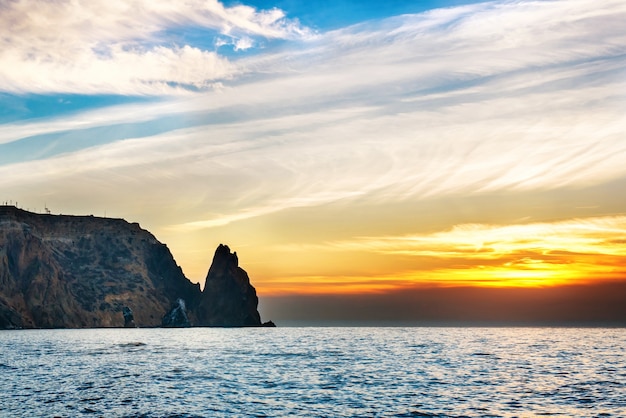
{"x": 578, "y": 251}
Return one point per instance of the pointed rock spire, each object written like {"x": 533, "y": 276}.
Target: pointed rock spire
{"x": 228, "y": 298}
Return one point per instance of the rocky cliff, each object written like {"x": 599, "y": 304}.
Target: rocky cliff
{"x": 59, "y": 271}
{"x": 228, "y": 298}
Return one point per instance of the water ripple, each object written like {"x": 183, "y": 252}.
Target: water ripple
{"x": 317, "y": 372}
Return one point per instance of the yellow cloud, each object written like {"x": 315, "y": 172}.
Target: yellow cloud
{"x": 600, "y": 235}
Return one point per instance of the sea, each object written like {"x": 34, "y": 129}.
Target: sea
{"x": 314, "y": 372}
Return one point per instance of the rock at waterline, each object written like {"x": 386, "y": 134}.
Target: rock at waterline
{"x": 129, "y": 318}
{"x": 177, "y": 316}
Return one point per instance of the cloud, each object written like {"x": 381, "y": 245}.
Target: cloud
{"x": 600, "y": 235}
{"x": 508, "y": 99}
{"x": 240, "y": 44}
{"x": 124, "y": 47}
{"x": 486, "y": 98}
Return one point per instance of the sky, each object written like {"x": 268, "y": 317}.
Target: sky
{"x": 353, "y": 153}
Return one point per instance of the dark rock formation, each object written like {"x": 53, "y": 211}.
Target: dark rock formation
{"x": 59, "y": 271}
{"x": 129, "y": 318}
{"x": 177, "y": 316}
{"x": 9, "y": 317}
{"x": 228, "y": 299}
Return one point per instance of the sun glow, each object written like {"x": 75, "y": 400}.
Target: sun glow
{"x": 577, "y": 251}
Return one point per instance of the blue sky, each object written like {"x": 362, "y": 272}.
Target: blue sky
{"x": 316, "y": 15}
{"x": 306, "y": 127}
{"x": 328, "y": 15}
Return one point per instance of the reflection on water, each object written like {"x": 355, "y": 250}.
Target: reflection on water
{"x": 412, "y": 372}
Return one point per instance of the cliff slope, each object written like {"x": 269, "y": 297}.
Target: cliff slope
{"x": 59, "y": 271}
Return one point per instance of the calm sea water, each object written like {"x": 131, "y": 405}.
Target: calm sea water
{"x": 316, "y": 372}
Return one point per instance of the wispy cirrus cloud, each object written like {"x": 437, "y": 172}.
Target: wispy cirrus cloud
{"x": 492, "y": 97}
{"x": 506, "y": 98}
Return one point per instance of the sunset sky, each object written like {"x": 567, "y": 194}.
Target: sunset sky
{"x": 352, "y": 148}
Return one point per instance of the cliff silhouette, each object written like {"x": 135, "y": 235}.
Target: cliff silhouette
{"x": 62, "y": 271}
